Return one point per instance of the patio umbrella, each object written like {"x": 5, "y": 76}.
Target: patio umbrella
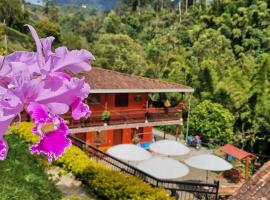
{"x": 169, "y": 148}
{"x": 208, "y": 162}
{"x": 163, "y": 168}
{"x": 129, "y": 152}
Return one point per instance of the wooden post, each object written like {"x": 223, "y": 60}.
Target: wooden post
{"x": 189, "y": 102}
{"x": 176, "y": 132}
{"x": 246, "y": 168}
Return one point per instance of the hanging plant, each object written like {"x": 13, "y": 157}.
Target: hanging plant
{"x": 106, "y": 115}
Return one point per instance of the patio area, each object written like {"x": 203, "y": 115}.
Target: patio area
{"x": 194, "y": 174}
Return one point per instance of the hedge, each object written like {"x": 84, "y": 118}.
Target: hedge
{"x": 104, "y": 182}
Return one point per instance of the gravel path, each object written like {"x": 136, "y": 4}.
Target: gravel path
{"x": 69, "y": 186}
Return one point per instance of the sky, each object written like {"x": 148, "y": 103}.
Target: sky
{"x": 37, "y": 2}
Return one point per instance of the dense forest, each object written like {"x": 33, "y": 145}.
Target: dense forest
{"x": 221, "y": 49}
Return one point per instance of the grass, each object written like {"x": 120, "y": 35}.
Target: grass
{"x": 22, "y": 175}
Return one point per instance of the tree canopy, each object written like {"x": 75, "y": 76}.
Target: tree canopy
{"x": 221, "y": 49}
{"x": 213, "y": 123}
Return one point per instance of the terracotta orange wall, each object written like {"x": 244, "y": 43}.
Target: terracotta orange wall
{"x": 147, "y": 137}
{"x": 110, "y": 99}
{"x": 89, "y": 137}
{"x": 127, "y": 136}
{"x": 81, "y": 136}
{"x": 109, "y": 142}
{"x": 126, "y": 139}
{"x": 101, "y": 106}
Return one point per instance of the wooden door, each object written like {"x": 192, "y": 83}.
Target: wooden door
{"x": 117, "y": 136}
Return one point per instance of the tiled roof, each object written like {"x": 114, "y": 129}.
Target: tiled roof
{"x": 257, "y": 188}
{"x": 234, "y": 151}
{"x": 108, "y": 81}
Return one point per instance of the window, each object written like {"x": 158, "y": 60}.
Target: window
{"x": 121, "y": 100}
{"x": 93, "y": 99}
{"x": 100, "y": 137}
{"x": 138, "y": 98}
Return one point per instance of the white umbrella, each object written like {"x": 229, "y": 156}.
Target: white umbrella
{"x": 169, "y": 148}
{"x": 163, "y": 168}
{"x": 208, "y": 162}
{"x": 129, "y": 152}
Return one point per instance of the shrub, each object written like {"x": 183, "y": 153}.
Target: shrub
{"x": 234, "y": 175}
{"x": 104, "y": 182}
{"x": 213, "y": 122}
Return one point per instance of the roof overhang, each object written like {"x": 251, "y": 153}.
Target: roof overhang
{"x": 102, "y": 91}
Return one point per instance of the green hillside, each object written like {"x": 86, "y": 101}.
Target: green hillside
{"x": 18, "y": 41}
{"x": 22, "y": 175}
{"x": 221, "y": 49}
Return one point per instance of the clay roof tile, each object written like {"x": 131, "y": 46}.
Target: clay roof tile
{"x": 108, "y": 81}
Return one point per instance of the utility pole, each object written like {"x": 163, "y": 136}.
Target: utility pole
{"x": 139, "y": 7}
{"x": 186, "y": 6}
{"x": 180, "y": 10}
{"x": 5, "y": 37}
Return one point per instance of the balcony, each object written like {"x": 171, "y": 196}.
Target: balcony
{"x": 150, "y": 116}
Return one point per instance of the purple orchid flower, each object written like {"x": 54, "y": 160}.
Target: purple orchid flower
{"x": 56, "y": 64}
{"x": 52, "y": 131}
{"x": 39, "y": 82}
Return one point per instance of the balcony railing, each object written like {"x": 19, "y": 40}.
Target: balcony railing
{"x": 128, "y": 116}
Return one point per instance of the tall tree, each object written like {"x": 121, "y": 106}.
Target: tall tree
{"x": 119, "y": 52}
{"x": 13, "y": 13}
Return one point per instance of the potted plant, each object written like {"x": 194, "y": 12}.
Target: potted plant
{"x": 136, "y": 139}
{"x": 106, "y": 115}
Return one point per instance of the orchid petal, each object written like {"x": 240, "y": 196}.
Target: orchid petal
{"x": 52, "y": 145}
{"x": 52, "y": 131}
{"x": 38, "y": 44}
{"x": 4, "y": 68}
{"x": 2, "y": 58}
{"x": 4, "y": 123}
{"x": 79, "y": 109}
{"x": 37, "y": 111}
{"x": 57, "y": 108}
{"x": 76, "y": 61}
{"x": 27, "y": 58}
{"x": 47, "y": 45}
{"x": 62, "y": 74}
{"x": 3, "y": 149}
{"x": 67, "y": 93}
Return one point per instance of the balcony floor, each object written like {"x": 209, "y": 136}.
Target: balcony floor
{"x": 123, "y": 125}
